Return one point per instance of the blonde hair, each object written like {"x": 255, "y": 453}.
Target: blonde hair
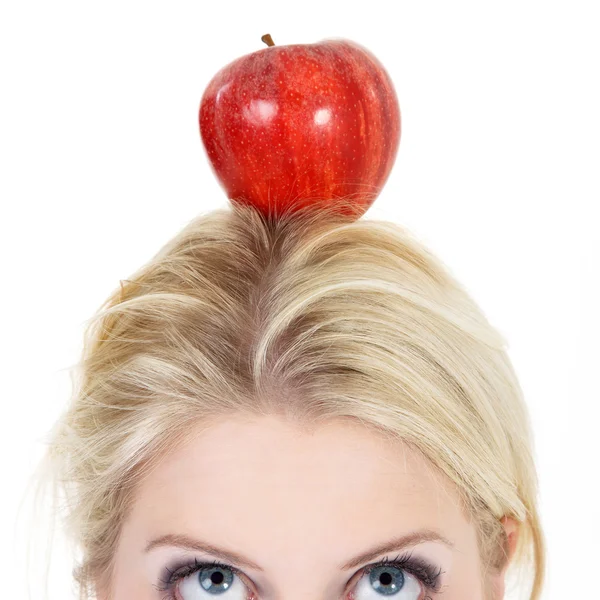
{"x": 314, "y": 315}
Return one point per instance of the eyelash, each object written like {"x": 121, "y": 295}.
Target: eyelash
{"x": 425, "y": 572}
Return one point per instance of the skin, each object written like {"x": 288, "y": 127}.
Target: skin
{"x": 299, "y": 504}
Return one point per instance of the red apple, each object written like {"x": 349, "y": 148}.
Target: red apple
{"x": 302, "y": 124}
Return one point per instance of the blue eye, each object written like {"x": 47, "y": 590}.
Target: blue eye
{"x": 403, "y": 578}
{"x": 388, "y": 581}
{"x": 213, "y": 582}
{"x": 203, "y": 581}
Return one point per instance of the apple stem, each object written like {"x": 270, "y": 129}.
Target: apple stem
{"x": 267, "y": 39}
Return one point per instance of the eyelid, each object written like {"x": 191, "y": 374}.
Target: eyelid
{"x": 405, "y": 541}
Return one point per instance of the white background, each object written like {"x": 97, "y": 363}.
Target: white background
{"x": 101, "y": 163}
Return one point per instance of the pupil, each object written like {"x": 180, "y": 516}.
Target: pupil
{"x": 385, "y": 578}
{"x": 217, "y": 577}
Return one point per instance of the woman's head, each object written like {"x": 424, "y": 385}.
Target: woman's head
{"x": 296, "y": 391}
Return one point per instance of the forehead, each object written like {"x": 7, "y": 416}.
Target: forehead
{"x": 263, "y": 484}
{"x": 279, "y": 456}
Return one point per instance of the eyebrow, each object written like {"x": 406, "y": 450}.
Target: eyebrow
{"x": 397, "y": 543}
